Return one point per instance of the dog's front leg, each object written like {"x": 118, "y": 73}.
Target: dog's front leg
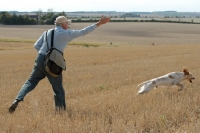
{"x": 180, "y": 85}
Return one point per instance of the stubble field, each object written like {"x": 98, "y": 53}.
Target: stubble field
{"x": 118, "y": 33}
{"x": 100, "y": 82}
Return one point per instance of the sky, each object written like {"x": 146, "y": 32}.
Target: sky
{"x": 100, "y": 5}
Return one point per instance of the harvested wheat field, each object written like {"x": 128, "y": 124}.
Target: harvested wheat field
{"x": 118, "y": 33}
{"x": 100, "y": 85}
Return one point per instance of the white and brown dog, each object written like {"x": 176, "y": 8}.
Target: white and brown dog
{"x": 170, "y": 79}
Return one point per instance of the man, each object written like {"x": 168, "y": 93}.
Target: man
{"x": 61, "y": 38}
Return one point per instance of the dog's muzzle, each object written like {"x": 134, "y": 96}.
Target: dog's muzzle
{"x": 191, "y": 79}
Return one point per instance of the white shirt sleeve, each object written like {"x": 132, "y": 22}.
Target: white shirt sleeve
{"x": 82, "y": 32}
{"x": 39, "y": 42}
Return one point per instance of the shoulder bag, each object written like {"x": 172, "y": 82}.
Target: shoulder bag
{"x": 54, "y": 62}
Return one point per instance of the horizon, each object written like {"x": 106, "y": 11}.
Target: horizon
{"x": 107, "y": 11}
{"x": 108, "y": 5}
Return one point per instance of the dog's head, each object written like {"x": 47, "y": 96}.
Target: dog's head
{"x": 188, "y": 75}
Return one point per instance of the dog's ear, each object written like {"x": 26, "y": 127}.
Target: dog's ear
{"x": 185, "y": 70}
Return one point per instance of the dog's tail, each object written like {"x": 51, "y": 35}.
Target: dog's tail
{"x": 142, "y": 84}
{"x": 146, "y": 88}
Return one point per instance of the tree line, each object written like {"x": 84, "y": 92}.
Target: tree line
{"x": 8, "y": 19}
{"x": 49, "y": 17}
{"x": 41, "y": 18}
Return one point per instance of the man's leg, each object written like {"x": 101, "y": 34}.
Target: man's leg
{"x": 31, "y": 83}
{"x": 59, "y": 92}
{"x": 36, "y": 75}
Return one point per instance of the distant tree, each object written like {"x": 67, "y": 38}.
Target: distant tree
{"x": 62, "y": 14}
{"x": 9, "y": 21}
{"x": 21, "y": 19}
{"x": 50, "y": 13}
{"x": 27, "y": 19}
{"x": 15, "y": 19}
{"x": 39, "y": 15}
{"x": 6, "y": 18}
{"x": 53, "y": 18}
{"x": 50, "y": 17}
{"x": 47, "y": 16}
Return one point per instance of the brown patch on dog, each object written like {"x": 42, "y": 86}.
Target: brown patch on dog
{"x": 185, "y": 70}
{"x": 153, "y": 82}
{"x": 171, "y": 77}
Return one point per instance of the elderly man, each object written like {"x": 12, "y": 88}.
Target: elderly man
{"x": 62, "y": 35}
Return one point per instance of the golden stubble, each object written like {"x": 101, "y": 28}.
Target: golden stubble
{"x": 100, "y": 85}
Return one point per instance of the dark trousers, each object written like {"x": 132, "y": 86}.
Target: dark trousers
{"x": 39, "y": 73}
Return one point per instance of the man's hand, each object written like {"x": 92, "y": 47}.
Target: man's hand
{"x": 103, "y": 20}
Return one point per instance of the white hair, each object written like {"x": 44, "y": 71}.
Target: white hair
{"x": 58, "y": 24}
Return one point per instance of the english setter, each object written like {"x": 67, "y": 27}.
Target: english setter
{"x": 170, "y": 79}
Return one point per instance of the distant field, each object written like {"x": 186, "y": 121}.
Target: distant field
{"x": 183, "y": 19}
{"x": 197, "y": 20}
{"x": 118, "y": 33}
{"x": 100, "y": 86}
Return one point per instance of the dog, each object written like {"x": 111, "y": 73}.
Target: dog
{"x": 170, "y": 79}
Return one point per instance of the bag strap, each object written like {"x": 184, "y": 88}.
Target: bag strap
{"x": 47, "y": 41}
{"x": 52, "y": 39}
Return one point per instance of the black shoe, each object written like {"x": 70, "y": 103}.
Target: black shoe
{"x": 13, "y": 106}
